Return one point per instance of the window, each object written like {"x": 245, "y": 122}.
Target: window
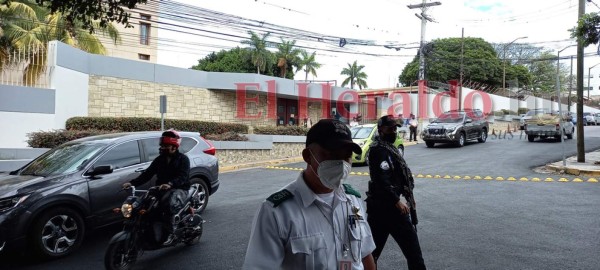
{"x": 144, "y": 56}
{"x": 187, "y": 144}
{"x": 121, "y": 156}
{"x": 144, "y": 33}
{"x": 145, "y": 17}
{"x": 151, "y": 148}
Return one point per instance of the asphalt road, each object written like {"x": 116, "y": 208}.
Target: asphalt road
{"x": 464, "y": 223}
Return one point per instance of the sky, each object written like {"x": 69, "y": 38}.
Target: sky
{"x": 543, "y": 23}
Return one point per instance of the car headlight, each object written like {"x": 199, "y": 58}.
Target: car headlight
{"x": 450, "y": 129}
{"x": 12, "y": 202}
{"x": 126, "y": 210}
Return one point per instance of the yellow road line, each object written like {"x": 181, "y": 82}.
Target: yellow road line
{"x": 467, "y": 177}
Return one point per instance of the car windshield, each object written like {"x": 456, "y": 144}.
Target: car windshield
{"x": 450, "y": 118}
{"x": 361, "y": 132}
{"x": 65, "y": 159}
{"x": 586, "y": 113}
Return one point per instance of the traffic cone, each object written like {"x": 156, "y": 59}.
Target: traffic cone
{"x": 494, "y": 132}
{"x": 508, "y": 127}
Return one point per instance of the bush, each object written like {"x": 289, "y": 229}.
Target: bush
{"x": 523, "y": 110}
{"x": 131, "y": 124}
{"x": 227, "y": 136}
{"x": 51, "y": 139}
{"x": 281, "y": 130}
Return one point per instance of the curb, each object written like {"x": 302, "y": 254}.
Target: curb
{"x": 572, "y": 171}
{"x": 230, "y": 168}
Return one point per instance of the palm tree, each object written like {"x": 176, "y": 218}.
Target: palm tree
{"x": 355, "y": 75}
{"x": 308, "y": 64}
{"x": 287, "y": 56}
{"x": 27, "y": 28}
{"x": 260, "y": 54}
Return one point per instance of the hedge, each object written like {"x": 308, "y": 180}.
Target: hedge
{"x": 131, "y": 124}
{"x": 281, "y": 130}
{"x": 51, "y": 139}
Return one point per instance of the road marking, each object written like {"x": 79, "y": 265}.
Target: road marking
{"x": 469, "y": 177}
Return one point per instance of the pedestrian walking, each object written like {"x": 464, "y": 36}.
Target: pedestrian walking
{"x": 391, "y": 206}
{"x": 316, "y": 221}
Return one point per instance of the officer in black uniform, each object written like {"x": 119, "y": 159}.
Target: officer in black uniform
{"x": 390, "y": 202}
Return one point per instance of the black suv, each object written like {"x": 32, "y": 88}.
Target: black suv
{"x": 51, "y": 202}
{"x": 456, "y": 127}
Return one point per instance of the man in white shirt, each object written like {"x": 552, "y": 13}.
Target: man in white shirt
{"x": 315, "y": 222}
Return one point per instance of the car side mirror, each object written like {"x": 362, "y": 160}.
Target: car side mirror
{"x": 103, "y": 169}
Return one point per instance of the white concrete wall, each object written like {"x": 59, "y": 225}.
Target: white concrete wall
{"x": 71, "y": 94}
{"x": 17, "y": 126}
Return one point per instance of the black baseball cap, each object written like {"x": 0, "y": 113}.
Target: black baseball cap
{"x": 331, "y": 134}
{"x": 388, "y": 121}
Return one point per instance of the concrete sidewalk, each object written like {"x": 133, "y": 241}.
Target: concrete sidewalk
{"x": 591, "y": 166}
{"x": 229, "y": 168}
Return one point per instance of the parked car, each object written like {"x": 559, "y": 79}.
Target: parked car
{"x": 596, "y": 118}
{"x": 364, "y": 135}
{"x": 588, "y": 118}
{"x": 456, "y": 127}
{"x": 549, "y": 126}
{"x": 50, "y": 203}
{"x": 530, "y": 114}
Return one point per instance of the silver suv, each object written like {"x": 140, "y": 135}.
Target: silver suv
{"x": 456, "y": 127}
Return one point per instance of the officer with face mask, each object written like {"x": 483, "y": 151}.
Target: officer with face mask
{"x": 391, "y": 206}
{"x": 316, "y": 221}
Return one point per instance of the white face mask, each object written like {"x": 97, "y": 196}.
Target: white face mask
{"x": 332, "y": 172}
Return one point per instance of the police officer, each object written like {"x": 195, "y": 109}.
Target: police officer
{"x": 390, "y": 201}
{"x": 315, "y": 222}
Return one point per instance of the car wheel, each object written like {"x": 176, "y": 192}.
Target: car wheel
{"x": 429, "y": 144}
{"x": 461, "y": 140}
{"x": 570, "y": 136}
{"x": 401, "y": 149}
{"x": 483, "y": 136}
{"x": 57, "y": 232}
{"x": 530, "y": 138}
{"x": 201, "y": 199}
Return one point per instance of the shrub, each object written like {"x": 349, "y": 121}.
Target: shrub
{"x": 523, "y": 110}
{"x": 281, "y": 130}
{"x": 130, "y": 124}
{"x": 227, "y": 136}
{"x": 51, "y": 139}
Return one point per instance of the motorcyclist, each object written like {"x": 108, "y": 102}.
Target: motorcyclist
{"x": 172, "y": 170}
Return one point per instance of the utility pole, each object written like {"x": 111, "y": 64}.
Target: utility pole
{"x": 424, "y": 18}
{"x": 570, "y": 87}
{"x": 462, "y": 51}
{"x": 580, "y": 142}
{"x": 560, "y": 115}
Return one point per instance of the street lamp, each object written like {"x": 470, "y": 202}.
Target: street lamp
{"x": 588, "y": 85}
{"x": 504, "y": 63}
{"x": 560, "y": 116}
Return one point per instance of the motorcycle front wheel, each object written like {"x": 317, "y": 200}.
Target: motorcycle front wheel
{"x": 117, "y": 256}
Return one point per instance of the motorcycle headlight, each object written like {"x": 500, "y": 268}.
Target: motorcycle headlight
{"x": 126, "y": 210}
{"x": 12, "y": 202}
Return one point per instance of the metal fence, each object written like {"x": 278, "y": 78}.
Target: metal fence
{"x": 27, "y": 67}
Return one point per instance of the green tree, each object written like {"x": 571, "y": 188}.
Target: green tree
{"x": 543, "y": 70}
{"x": 442, "y": 63}
{"x": 260, "y": 54}
{"x": 27, "y": 28}
{"x": 308, "y": 64}
{"x": 520, "y": 73}
{"x": 233, "y": 60}
{"x": 89, "y": 14}
{"x": 287, "y": 57}
{"x": 587, "y": 29}
{"x": 355, "y": 76}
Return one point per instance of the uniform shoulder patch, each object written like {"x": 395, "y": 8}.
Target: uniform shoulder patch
{"x": 350, "y": 190}
{"x": 384, "y": 165}
{"x": 280, "y": 196}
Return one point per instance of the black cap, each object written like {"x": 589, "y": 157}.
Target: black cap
{"x": 388, "y": 121}
{"x": 331, "y": 134}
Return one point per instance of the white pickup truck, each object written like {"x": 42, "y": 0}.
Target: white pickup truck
{"x": 547, "y": 125}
